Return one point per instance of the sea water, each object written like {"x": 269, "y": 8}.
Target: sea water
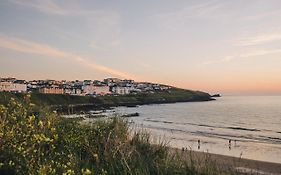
{"x": 247, "y": 127}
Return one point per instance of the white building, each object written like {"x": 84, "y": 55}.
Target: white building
{"x": 95, "y": 90}
{"x": 73, "y": 91}
{"x": 12, "y": 87}
{"x": 102, "y": 90}
{"x": 121, "y": 90}
{"x": 51, "y": 90}
{"x": 111, "y": 81}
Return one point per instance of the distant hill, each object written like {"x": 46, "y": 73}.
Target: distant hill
{"x": 59, "y": 100}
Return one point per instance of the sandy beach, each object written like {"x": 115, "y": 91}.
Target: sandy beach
{"x": 242, "y": 166}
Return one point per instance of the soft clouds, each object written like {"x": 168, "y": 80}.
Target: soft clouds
{"x": 260, "y": 52}
{"x": 199, "y": 10}
{"x": 30, "y": 47}
{"x": 105, "y": 46}
{"x": 248, "y": 54}
{"x": 250, "y": 44}
{"x": 259, "y": 39}
{"x": 46, "y": 6}
{"x": 203, "y": 9}
{"x": 25, "y": 46}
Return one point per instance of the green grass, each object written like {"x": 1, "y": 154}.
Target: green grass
{"x": 45, "y": 143}
{"x": 170, "y": 96}
{"x": 46, "y": 99}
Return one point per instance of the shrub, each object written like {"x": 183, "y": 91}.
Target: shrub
{"x": 29, "y": 142}
{"x": 41, "y": 142}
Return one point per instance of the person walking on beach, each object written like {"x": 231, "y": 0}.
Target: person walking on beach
{"x": 198, "y": 144}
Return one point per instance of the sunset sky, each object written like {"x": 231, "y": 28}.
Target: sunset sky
{"x": 218, "y": 46}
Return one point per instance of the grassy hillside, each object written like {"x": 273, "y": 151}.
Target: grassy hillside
{"x": 46, "y": 99}
{"x": 173, "y": 95}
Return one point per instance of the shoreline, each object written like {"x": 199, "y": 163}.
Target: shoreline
{"x": 74, "y": 108}
{"x": 224, "y": 163}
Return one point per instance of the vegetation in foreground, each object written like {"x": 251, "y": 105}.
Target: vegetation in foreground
{"x": 44, "y": 143}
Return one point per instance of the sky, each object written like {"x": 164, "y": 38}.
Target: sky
{"x": 217, "y": 46}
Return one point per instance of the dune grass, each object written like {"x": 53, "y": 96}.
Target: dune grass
{"x": 45, "y": 143}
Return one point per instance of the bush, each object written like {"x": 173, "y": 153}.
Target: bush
{"x": 43, "y": 143}
{"x": 28, "y": 143}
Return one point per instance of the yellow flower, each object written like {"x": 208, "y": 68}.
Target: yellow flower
{"x": 69, "y": 172}
{"x": 49, "y": 124}
{"x": 11, "y": 163}
{"x": 53, "y": 129}
{"x": 86, "y": 171}
{"x": 31, "y": 118}
{"x": 40, "y": 124}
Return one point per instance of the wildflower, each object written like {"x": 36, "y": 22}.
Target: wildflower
{"x": 56, "y": 136}
{"x": 69, "y": 172}
{"x": 31, "y": 118}
{"x": 49, "y": 124}
{"x": 47, "y": 139}
{"x": 11, "y": 163}
{"x": 20, "y": 149}
{"x": 86, "y": 171}
{"x": 53, "y": 129}
{"x": 40, "y": 124}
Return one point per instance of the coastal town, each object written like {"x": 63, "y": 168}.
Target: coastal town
{"x": 108, "y": 86}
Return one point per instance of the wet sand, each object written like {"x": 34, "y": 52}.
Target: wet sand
{"x": 240, "y": 165}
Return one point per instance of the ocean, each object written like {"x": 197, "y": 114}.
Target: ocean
{"x": 239, "y": 126}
